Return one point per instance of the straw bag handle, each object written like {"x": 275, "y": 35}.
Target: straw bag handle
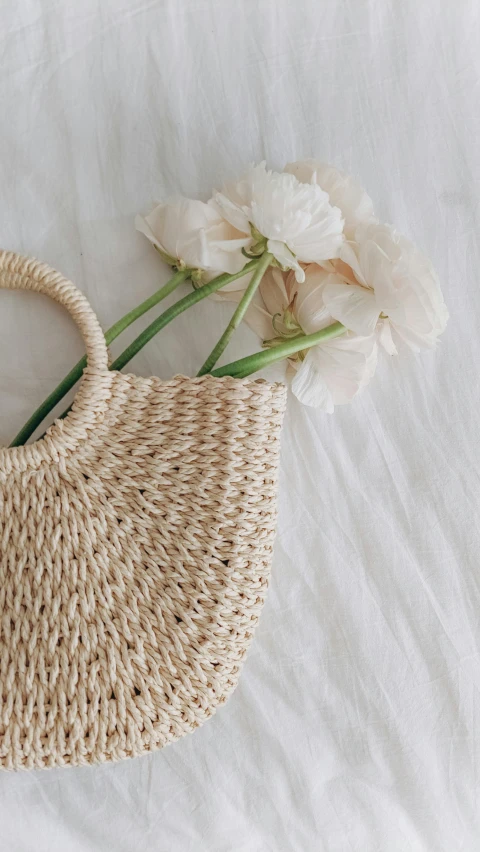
{"x": 25, "y": 273}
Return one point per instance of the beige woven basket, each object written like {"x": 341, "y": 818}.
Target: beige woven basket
{"x": 136, "y": 540}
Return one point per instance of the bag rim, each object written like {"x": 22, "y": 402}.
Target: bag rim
{"x": 64, "y": 437}
{"x": 91, "y": 402}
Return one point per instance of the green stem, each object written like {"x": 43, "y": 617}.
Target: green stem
{"x": 145, "y": 306}
{"x": 237, "y": 317}
{"x": 246, "y": 366}
{"x": 76, "y": 372}
{"x": 176, "y": 309}
{"x": 135, "y": 346}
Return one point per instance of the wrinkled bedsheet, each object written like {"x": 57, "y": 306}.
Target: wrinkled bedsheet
{"x": 355, "y": 727}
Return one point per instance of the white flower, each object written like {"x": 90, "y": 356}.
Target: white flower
{"x": 192, "y": 234}
{"x": 344, "y": 191}
{"x": 387, "y": 278}
{"x": 335, "y": 371}
{"x": 292, "y": 220}
{"x": 328, "y": 374}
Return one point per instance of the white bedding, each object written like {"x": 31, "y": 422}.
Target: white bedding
{"x": 355, "y": 727}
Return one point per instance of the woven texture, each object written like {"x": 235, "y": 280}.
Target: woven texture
{"x": 136, "y": 541}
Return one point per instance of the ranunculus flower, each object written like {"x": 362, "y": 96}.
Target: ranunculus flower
{"x": 192, "y": 234}
{"x": 292, "y": 220}
{"x": 344, "y": 191}
{"x": 329, "y": 374}
{"x": 386, "y": 278}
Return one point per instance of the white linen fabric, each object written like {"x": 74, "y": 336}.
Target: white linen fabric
{"x": 355, "y": 727}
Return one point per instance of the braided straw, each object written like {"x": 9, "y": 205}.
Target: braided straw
{"x": 23, "y": 273}
{"x": 134, "y": 557}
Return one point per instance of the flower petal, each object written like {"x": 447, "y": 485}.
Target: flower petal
{"x": 406, "y": 286}
{"x": 335, "y": 371}
{"x": 190, "y": 231}
{"x": 284, "y": 210}
{"x": 310, "y": 309}
{"x": 352, "y": 305}
{"x": 144, "y": 228}
{"x": 259, "y": 319}
{"x": 309, "y": 386}
{"x": 286, "y": 258}
{"x": 224, "y": 255}
{"x": 344, "y": 191}
{"x": 349, "y": 255}
{"x": 233, "y": 213}
{"x": 385, "y": 338}
{"x": 274, "y": 292}
{"x": 319, "y": 242}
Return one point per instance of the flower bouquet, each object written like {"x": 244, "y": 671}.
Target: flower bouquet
{"x": 311, "y": 269}
{"x": 136, "y": 534}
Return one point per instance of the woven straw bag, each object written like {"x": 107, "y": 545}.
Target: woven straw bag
{"x": 136, "y": 540}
